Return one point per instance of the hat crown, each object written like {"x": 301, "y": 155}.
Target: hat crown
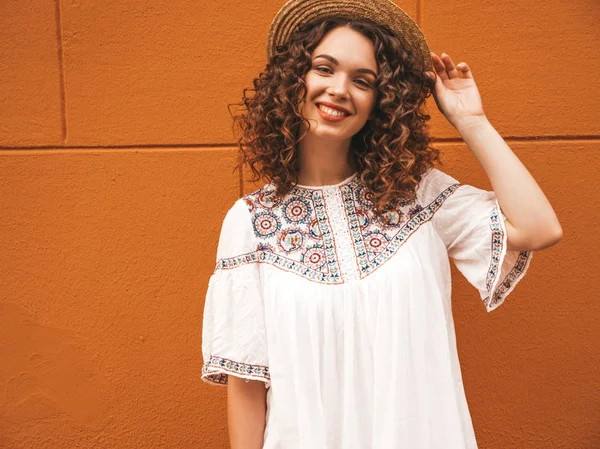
{"x": 297, "y": 12}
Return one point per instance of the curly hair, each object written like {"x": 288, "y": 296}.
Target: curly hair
{"x": 392, "y": 150}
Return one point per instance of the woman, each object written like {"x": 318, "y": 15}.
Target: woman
{"x": 328, "y": 314}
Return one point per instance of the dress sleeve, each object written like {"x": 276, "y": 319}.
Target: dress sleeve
{"x": 471, "y": 224}
{"x": 233, "y": 331}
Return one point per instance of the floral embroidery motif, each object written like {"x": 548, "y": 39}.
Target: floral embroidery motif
{"x": 296, "y": 235}
{"x": 297, "y": 210}
{"x": 314, "y": 257}
{"x": 290, "y": 240}
{"x": 266, "y": 223}
{"x": 375, "y": 241}
{"x": 364, "y": 197}
{"x": 216, "y": 368}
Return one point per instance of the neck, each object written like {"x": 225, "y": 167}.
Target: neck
{"x": 324, "y": 162}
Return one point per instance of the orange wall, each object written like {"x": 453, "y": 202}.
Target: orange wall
{"x": 116, "y": 158}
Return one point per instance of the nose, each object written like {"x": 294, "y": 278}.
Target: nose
{"x": 338, "y": 86}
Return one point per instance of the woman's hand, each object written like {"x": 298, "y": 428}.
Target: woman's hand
{"x": 456, "y": 93}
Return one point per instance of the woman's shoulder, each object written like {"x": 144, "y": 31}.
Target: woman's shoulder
{"x": 237, "y": 211}
{"x": 241, "y": 214}
{"x": 243, "y": 206}
{"x": 237, "y": 234}
{"x": 261, "y": 198}
{"x": 435, "y": 182}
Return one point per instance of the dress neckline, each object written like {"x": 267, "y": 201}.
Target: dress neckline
{"x": 329, "y": 186}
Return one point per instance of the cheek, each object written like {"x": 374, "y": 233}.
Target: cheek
{"x": 312, "y": 82}
{"x": 367, "y": 103}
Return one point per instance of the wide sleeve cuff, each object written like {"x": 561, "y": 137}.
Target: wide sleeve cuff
{"x": 506, "y": 268}
{"x": 233, "y": 334}
{"x": 217, "y": 369}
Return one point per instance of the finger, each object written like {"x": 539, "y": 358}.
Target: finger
{"x": 450, "y": 67}
{"x": 464, "y": 70}
{"x": 436, "y": 80}
{"x": 439, "y": 66}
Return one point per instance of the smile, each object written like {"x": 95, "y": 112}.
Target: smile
{"x": 331, "y": 114}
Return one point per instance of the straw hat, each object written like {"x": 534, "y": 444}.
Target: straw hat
{"x": 297, "y": 12}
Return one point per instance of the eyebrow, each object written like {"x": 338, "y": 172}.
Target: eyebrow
{"x": 335, "y": 61}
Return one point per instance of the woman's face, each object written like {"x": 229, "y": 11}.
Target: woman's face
{"x": 343, "y": 75}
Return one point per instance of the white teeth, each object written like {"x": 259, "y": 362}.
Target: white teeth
{"x": 330, "y": 111}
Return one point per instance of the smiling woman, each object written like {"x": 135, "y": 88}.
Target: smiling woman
{"x": 329, "y": 311}
{"x": 332, "y": 61}
{"x": 341, "y": 82}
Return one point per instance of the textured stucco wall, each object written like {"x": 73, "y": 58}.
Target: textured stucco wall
{"x": 116, "y": 159}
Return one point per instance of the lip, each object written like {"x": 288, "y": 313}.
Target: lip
{"x": 331, "y": 118}
{"x": 333, "y": 106}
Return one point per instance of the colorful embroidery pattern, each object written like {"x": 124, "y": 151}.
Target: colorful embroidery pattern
{"x": 509, "y": 281}
{"x": 216, "y": 370}
{"x": 518, "y": 269}
{"x": 497, "y": 237}
{"x": 296, "y": 235}
{"x": 375, "y": 242}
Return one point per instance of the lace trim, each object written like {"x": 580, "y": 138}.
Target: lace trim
{"x": 327, "y": 235}
{"x": 341, "y": 230}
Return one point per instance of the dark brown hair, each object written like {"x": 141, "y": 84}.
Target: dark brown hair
{"x": 392, "y": 150}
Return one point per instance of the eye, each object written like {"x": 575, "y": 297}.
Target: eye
{"x": 363, "y": 82}
{"x": 318, "y": 68}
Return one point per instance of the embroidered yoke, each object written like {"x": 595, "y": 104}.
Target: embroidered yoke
{"x": 347, "y": 318}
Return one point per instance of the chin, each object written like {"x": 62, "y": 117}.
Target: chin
{"x": 327, "y": 133}
{"x": 333, "y": 136}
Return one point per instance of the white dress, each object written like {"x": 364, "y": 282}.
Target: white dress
{"x": 348, "y": 321}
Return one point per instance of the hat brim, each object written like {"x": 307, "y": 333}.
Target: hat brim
{"x": 296, "y": 12}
